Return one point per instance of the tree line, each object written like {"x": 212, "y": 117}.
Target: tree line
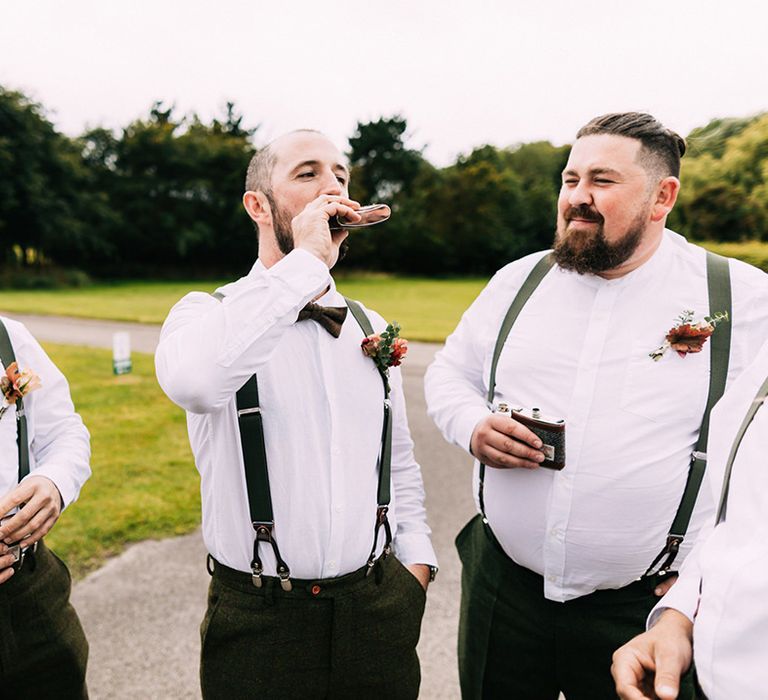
{"x": 161, "y": 197}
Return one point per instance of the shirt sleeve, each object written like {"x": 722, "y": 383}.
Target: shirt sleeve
{"x": 208, "y": 349}
{"x": 60, "y": 443}
{"x": 455, "y": 384}
{"x": 411, "y": 541}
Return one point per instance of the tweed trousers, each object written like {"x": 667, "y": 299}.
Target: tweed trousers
{"x": 348, "y": 637}
{"x": 43, "y": 649}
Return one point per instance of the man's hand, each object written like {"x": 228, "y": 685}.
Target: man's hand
{"x": 39, "y": 503}
{"x": 504, "y": 443}
{"x": 311, "y": 231}
{"x": 6, "y": 562}
{"x": 421, "y": 572}
{"x": 664, "y": 586}
{"x": 649, "y": 666}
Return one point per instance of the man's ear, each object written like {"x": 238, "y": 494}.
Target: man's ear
{"x": 666, "y": 196}
{"x": 257, "y": 206}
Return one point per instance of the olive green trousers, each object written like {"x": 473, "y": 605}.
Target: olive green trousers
{"x": 43, "y": 650}
{"x": 517, "y": 645}
{"x": 350, "y": 637}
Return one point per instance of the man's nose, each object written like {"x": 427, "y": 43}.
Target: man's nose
{"x": 330, "y": 184}
{"x": 580, "y": 194}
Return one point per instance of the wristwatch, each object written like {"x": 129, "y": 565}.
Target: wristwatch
{"x": 432, "y": 573}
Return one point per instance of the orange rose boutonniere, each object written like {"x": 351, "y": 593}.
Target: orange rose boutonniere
{"x": 15, "y": 385}
{"x": 386, "y": 349}
{"x": 688, "y": 335}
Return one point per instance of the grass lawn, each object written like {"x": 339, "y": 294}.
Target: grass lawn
{"x": 427, "y": 309}
{"x": 144, "y": 483}
{"x": 753, "y": 252}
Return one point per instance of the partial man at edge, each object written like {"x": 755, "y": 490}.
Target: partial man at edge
{"x": 717, "y": 612}
{"x": 44, "y": 462}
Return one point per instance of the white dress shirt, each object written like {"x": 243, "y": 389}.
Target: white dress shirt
{"x": 59, "y": 444}
{"x": 579, "y": 350}
{"x": 730, "y": 563}
{"x": 322, "y": 407}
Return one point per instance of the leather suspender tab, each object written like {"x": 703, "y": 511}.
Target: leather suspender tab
{"x": 264, "y": 532}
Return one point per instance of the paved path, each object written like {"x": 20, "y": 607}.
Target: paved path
{"x": 141, "y": 610}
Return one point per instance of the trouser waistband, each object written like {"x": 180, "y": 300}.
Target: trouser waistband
{"x": 531, "y": 578}
{"x": 301, "y": 588}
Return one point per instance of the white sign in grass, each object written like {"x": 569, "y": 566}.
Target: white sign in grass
{"x": 121, "y": 353}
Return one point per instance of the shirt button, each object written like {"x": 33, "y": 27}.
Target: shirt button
{"x": 555, "y": 532}
{"x": 332, "y": 564}
{"x": 552, "y": 579}
{"x": 337, "y": 509}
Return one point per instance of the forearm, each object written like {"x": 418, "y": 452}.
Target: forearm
{"x": 455, "y": 395}
{"x": 208, "y": 349}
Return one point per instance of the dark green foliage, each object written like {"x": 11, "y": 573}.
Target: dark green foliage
{"x": 176, "y": 184}
{"x": 724, "y": 194}
{"x": 491, "y": 206}
{"x": 713, "y": 137}
{"x": 43, "y": 201}
{"x": 162, "y": 197}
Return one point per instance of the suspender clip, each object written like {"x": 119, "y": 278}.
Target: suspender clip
{"x": 256, "y": 570}
{"x": 285, "y": 581}
{"x": 700, "y": 456}
{"x": 264, "y": 534}
{"x": 20, "y": 554}
{"x": 670, "y": 551}
{"x": 381, "y": 519}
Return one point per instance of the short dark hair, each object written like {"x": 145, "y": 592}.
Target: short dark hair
{"x": 258, "y": 178}
{"x": 661, "y": 149}
{"x": 259, "y": 175}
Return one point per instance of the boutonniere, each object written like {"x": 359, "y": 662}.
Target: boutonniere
{"x": 386, "y": 350}
{"x": 688, "y": 336}
{"x": 16, "y": 385}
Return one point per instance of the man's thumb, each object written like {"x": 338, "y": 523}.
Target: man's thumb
{"x": 667, "y": 677}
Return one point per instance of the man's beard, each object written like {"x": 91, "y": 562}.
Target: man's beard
{"x": 588, "y": 251}
{"x": 281, "y": 225}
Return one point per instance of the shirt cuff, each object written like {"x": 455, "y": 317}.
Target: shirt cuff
{"x": 302, "y": 272}
{"x": 466, "y": 424}
{"x": 61, "y": 476}
{"x": 414, "y": 549}
{"x": 683, "y": 597}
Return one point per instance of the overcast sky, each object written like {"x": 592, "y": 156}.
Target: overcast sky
{"x": 463, "y": 74}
